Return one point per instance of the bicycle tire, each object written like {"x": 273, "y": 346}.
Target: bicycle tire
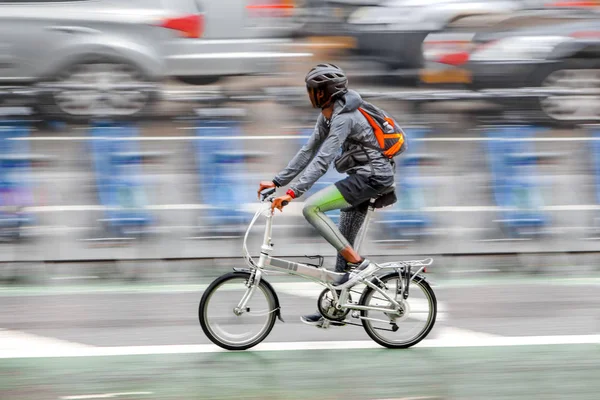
{"x": 267, "y": 290}
{"x": 419, "y": 280}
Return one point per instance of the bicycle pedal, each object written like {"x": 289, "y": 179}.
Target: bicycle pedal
{"x": 325, "y": 324}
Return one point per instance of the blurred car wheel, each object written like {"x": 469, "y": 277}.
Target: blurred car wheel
{"x": 104, "y": 98}
{"x": 572, "y": 75}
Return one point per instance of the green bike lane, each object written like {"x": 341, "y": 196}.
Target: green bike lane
{"x": 515, "y": 372}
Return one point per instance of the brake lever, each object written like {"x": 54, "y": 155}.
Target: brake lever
{"x": 267, "y": 194}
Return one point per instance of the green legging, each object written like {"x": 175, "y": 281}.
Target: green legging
{"x": 351, "y": 219}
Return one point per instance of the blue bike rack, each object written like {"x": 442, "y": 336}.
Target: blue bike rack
{"x": 117, "y": 164}
{"x": 595, "y": 159}
{"x": 596, "y": 153}
{"x": 15, "y": 171}
{"x": 515, "y": 180}
{"x": 406, "y": 217}
{"x": 220, "y": 160}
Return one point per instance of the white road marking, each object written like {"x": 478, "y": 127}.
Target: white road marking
{"x": 413, "y": 398}
{"x": 15, "y": 341}
{"x": 444, "y": 342}
{"x": 573, "y": 207}
{"x": 104, "y": 395}
{"x": 456, "y": 337}
{"x": 485, "y": 340}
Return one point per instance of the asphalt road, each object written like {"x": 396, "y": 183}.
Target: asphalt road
{"x": 507, "y": 337}
{"x": 166, "y": 315}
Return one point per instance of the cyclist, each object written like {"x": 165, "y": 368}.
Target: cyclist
{"x": 339, "y": 126}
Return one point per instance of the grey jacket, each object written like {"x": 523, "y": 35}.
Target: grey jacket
{"x": 328, "y": 141}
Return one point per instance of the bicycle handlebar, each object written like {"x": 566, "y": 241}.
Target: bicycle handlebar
{"x": 267, "y": 194}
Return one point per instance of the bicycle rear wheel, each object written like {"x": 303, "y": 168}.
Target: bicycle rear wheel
{"x": 221, "y": 324}
{"x": 393, "y": 330}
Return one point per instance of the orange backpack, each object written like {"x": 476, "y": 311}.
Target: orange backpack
{"x": 390, "y": 137}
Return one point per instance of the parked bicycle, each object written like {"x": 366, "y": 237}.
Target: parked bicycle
{"x": 396, "y": 306}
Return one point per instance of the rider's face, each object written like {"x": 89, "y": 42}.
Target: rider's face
{"x": 316, "y": 96}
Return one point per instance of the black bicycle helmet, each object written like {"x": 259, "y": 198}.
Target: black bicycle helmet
{"x": 325, "y": 83}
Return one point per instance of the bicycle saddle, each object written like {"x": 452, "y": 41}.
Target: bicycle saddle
{"x": 385, "y": 198}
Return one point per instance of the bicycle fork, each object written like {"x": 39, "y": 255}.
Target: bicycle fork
{"x": 251, "y": 286}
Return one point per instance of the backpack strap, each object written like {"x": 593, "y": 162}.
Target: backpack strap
{"x": 367, "y": 145}
{"x": 379, "y": 135}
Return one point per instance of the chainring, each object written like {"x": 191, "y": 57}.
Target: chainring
{"x": 326, "y": 306}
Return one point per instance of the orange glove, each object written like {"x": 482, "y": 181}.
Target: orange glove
{"x": 280, "y": 202}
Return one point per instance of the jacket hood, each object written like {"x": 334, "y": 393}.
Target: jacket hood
{"x": 350, "y": 102}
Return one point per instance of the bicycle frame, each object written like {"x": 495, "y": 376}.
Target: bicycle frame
{"x": 321, "y": 275}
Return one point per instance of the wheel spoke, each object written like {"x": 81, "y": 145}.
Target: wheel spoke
{"x": 227, "y": 329}
{"x": 410, "y": 325}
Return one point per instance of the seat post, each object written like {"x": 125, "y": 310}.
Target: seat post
{"x": 363, "y": 229}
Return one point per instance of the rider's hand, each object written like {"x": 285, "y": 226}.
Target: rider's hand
{"x": 278, "y": 202}
{"x": 265, "y": 185}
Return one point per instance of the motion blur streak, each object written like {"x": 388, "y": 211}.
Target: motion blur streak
{"x": 133, "y": 136}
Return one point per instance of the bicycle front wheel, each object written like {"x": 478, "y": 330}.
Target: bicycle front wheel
{"x": 399, "y": 330}
{"x": 241, "y": 330}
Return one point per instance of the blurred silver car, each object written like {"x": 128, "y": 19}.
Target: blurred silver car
{"x": 392, "y": 32}
{"x": 556, "y": 49}
{"x": 108, "y": 42}
{"x": 326, "y": 17}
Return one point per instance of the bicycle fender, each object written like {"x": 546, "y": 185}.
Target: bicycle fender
{"x": 269, "y": 286}
{"x": 278, "y": 307}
